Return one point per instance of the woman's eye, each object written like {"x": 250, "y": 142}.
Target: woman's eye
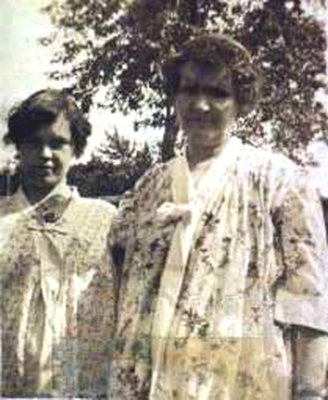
{"x": 31, "y": 143}
{"x": 189, "y": 90}
{"x": 58, "y": 144}
{"x": 218, "y": 93}
{"x": 215, "y": 93}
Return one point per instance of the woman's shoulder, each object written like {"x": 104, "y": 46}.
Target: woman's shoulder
{"x": 262, "y": 161}
{"x": 95, "y": 203}
{"x": 12, "y": 204}
{"x": 96, "y": 209}
{"x": 151, "y": 176}
{"x": 7, "y": 206}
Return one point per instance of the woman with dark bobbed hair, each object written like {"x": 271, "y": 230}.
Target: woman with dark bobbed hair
{"x": 56, "y": 286}
{"x": 225, "y": 254}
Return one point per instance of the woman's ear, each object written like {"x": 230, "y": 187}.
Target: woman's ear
{"x": 244, "y": 108}
{"x": 247, "y": 100}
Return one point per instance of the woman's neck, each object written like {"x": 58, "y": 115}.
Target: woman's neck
{"x": 35, "y": 194}
{"x": 198, "y": 155}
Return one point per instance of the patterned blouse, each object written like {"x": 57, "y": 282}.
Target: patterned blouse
{"x": 57, "y": 294}
{"x": 205, "y": 294}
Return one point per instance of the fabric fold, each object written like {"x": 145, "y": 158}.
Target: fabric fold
{"x": 184, "y": 237}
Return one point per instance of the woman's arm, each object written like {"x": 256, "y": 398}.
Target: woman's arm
{"x": 310, "y": 359}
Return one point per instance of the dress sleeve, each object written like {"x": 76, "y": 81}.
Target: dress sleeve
{"x": 301, "y": 295}
{"x": 122, "y": 229}
{"x": 122, "y": 221}
{"x": 134, "y": 202}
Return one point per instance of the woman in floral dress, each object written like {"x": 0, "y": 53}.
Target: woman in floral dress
{"x": 57, "y": 291}
{"x": 225, "y": 254}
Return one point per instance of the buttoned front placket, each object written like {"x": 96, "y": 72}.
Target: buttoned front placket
{"x": 47, "y": 296}
{"x": 51, "y": 285}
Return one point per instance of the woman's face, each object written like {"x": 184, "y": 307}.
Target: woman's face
{"x": 205, "y": 103}
{"x": 46, "y": 155}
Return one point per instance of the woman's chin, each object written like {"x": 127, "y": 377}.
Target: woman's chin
{"x": 48, "y": 182}
{"x": 207, "y": 139}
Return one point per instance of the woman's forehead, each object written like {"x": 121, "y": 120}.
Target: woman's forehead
{"x": 59, "y": 127}
{"x": 205, "y": 73}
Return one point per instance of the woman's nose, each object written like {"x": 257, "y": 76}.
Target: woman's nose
{"x": 201, "y": 103}
{"x": 45, "y": 152}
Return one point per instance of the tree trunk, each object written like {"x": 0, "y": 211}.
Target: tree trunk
{"x": 170, "y": 134}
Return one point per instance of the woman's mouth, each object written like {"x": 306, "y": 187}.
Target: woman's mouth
{"x": 42, "y": 170}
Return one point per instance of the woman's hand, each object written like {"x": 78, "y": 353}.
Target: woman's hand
{"x": 171, "y": 212}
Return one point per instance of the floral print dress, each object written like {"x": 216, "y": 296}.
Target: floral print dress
{"x": 203, "y": 299}
{"x": 57, "y": 296}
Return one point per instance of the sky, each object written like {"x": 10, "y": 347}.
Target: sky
{"x": 25, "y": 63}
{"x": 319, "y": 170}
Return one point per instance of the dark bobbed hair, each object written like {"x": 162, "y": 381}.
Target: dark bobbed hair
{"x": 42, "y": 108}
{"x": 217, "y": 49}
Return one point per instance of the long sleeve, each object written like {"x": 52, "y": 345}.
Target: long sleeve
{"x": 302, "y": 297}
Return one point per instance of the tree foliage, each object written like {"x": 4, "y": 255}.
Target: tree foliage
{"x": 113, "y": 169}
{"x": 117, "y": 45}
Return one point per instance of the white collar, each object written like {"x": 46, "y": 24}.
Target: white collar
{"x": 19, "y": 202}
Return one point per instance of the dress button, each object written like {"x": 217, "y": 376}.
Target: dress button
{"x": 49, "y": 216}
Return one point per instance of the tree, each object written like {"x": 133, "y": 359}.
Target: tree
{"x": 9, "y": 177}
{"x": 113, "y": 169}
{"x": 118, "y": 45}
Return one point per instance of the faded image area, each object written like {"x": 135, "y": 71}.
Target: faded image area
{"x": 164, "y": 199}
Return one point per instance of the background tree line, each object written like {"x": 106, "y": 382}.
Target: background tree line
{"x": 116, "y": 47}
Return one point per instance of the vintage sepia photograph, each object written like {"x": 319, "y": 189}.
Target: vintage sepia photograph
{"x": 164, "y": 199}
